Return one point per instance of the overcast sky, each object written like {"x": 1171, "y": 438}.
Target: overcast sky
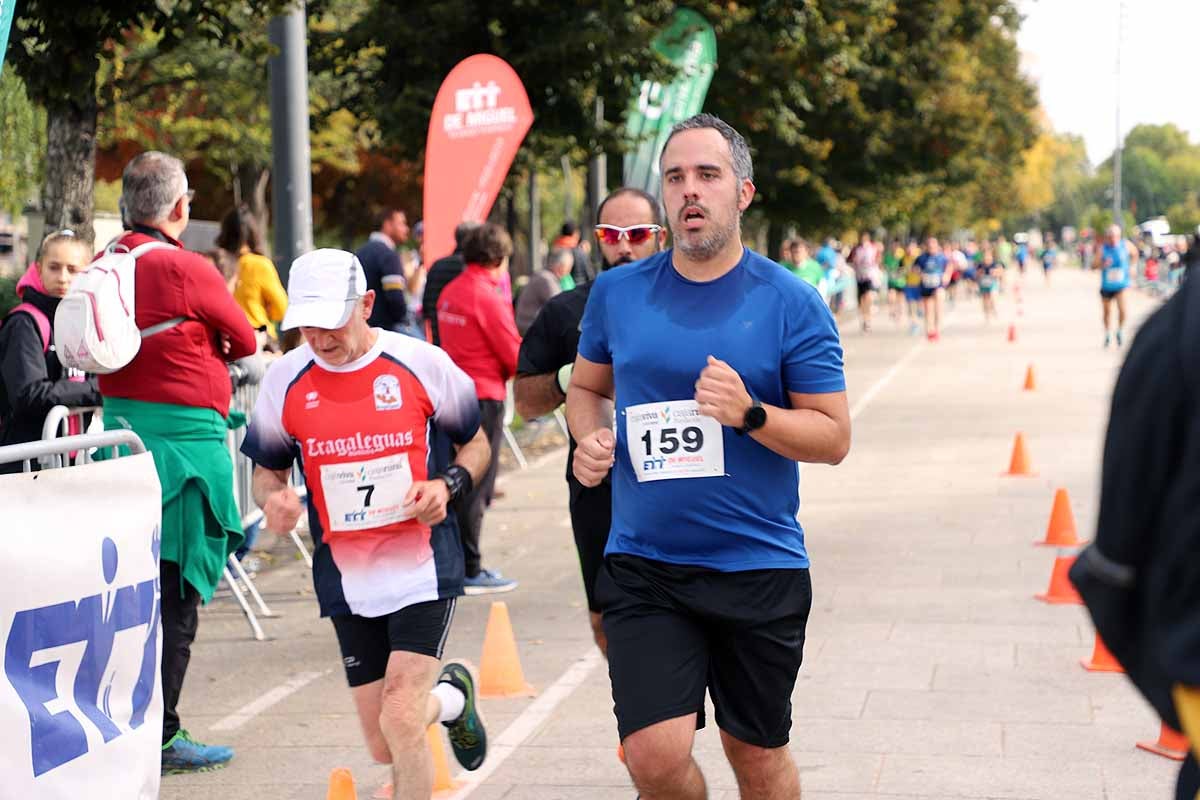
{"x": 1069, "y": 49}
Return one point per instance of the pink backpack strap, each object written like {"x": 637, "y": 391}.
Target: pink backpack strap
{"x": 43, "y": 322}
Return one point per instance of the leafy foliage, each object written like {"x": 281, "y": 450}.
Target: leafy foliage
{"x": 22, "y": 144}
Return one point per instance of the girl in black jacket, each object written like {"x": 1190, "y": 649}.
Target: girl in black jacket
{"x": 32, "y": 379}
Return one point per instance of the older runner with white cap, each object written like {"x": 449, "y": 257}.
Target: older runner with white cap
{"x": 373, "y": 417}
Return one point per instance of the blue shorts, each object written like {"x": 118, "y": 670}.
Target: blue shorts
{"x": 912, "y": 293}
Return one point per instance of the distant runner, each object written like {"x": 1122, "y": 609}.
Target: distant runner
{"x": 1116, "y": 257}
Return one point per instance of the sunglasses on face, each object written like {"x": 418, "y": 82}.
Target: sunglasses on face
{"x": 636, "y": 234}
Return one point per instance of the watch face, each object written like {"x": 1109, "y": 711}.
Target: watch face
{"x": 756, "y": 417}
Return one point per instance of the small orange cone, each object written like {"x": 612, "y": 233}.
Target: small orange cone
{"x": 341, "y": 785}
{"x": 1061, "y": 591}
{"x": 1019, "y": 465}
{"x": 500, "y": 673}
{"x": 1102, "y": 660}
{"x": 621, "y": 753}
{"x": 1012, "y": 333}
{"x": 1030, "y": 379}
{"x": 1171, "y": 744}
{"x": 442, "y": 782}
{"x": 1060, "y": 531}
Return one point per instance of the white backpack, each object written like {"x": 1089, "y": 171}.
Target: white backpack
{"x": 94, "y": 327}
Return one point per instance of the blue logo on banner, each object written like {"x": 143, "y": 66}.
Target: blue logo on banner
{"x": 95, "y": 620}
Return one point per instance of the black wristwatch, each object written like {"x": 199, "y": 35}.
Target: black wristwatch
{"x": 756, "y": 417}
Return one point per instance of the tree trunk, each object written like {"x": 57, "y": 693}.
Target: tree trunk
{"x": 68, "y": 193}
{"x": 257, "y": 200}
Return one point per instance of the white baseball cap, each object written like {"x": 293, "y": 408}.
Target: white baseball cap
{"x": 323, "y": 287}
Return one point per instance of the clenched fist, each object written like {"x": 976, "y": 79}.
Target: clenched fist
{"x": 594, "y": 456}
{"x": 282, "y": 511}
{"x": 721, "y": 394}
{"x": 428, "y": 500}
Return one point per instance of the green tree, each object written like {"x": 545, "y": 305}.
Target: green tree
{"x": 855, "y": 109}
{"x": 22, "y": 145}
{"x": 205, "y": 101}
{"x": 56, "y": 47}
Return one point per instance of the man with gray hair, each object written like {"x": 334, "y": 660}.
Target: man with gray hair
{"x": 175, "y": 394}
{"x": 542, "y": 286}
{"x": 724, "y": 370}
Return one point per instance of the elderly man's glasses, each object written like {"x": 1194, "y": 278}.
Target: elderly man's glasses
{"x": 636, "y": 234}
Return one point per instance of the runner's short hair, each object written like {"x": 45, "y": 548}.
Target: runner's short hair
{"x": 739, "y": 151}
{"x": 489, "y": 244}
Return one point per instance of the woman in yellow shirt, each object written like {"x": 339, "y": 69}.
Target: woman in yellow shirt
{"x": 258, "y": 291}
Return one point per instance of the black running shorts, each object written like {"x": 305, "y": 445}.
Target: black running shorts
{"x": 591, "y": 517}
{"x": 367, "y": 642}
{"x": 1109, "y": 294}
{"x": 675, "y": 631}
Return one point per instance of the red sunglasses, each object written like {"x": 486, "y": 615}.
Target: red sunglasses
{"x": 636, "y": 234}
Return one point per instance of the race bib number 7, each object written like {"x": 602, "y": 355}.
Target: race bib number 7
{"x": 668, "y": 441}
{"x": 361, "y": 495}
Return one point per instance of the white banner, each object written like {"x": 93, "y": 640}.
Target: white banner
{"x": 81, "y": 700}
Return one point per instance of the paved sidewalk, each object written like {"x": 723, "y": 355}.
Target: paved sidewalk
{"x": 931, "y": 672}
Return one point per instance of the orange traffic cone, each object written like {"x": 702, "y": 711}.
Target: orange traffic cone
{"x": 1061, "y": 591}
{"x": 1060, "y": 532}
{"x": 1019, "y": 465}
{"x": 621, "y": 753}
{"x": 500, "y": 673}
{"x": 1171, "y": 744}
{"x": 1012, "y": 333}
{"x": 1102, "y": 660}
{"x": 442, "y": 782}
{"x": 341, "y": 785}
{"x": 1030, "y": 379}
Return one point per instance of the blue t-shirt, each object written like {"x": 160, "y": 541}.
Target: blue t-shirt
{"x": 1114, "y": 265}
{"x": 827, "y": 257}
{"x": 657, "y": 329}
{"x": 933, "y": 269}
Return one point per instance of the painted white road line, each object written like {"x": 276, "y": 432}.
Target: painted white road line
{"x": 528, "y": 722}
{"x": 255, "y": 707}
{"x": 887, "y": 377}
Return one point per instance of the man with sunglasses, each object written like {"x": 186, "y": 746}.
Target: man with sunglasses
{"x": 725, "y": 371}
{"x": 629, "y": 229}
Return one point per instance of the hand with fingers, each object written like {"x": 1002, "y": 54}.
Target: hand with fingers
{"x": 721, "y": 393}
{"x": 282, "y": 511}
{"x": 428, "y": 500}
{"x": 594, "y": 456}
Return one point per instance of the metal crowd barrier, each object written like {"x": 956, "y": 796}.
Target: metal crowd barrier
{"x": 244, "y": 398}
{"x": 54, "y": 451}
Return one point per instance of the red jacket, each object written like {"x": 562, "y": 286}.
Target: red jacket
{"x": 477, "y": 330}
{"x": 182, "y": 365}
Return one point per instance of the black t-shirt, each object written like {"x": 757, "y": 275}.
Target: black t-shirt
{"x": 552, "y": 342}
{"x": 437, "y": 278}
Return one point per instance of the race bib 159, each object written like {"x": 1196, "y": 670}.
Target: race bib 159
{"x": 673, "y": 440}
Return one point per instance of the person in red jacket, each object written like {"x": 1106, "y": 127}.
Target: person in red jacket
{"x": 175, "y": 395}
{"x": 479, "y": 334}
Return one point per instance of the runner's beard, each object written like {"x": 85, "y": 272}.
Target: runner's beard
{"x": 622, "y": 260}
{"x": 708, "y": 246}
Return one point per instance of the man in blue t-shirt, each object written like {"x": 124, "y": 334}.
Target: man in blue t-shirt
{"x": 1115, "y": 260}
{"x": 932, "y": 266}
{"x": 726, "y": 370}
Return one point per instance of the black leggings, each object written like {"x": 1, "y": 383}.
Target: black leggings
{"x": 179, "y": 619}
